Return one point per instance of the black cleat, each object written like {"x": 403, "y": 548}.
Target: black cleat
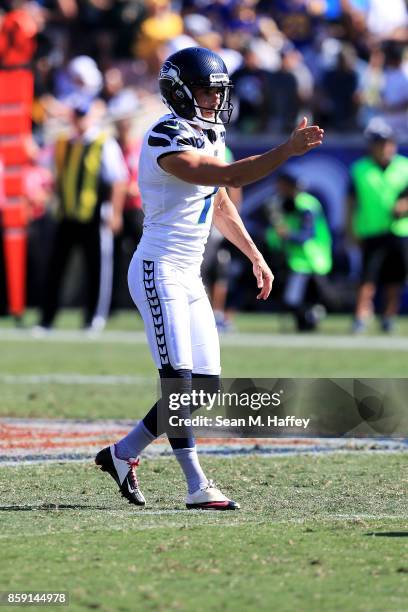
{"x": 123, "y": 473}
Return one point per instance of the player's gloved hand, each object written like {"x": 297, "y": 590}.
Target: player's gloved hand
{"x": 304, "y": 138}
{"x": 264, "y": 277}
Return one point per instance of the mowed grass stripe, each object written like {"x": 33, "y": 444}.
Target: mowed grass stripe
{"x": 300, "y": 521}
{"x": 284, "y": 487}
{"x": 107, "y": 358}
{"x": 331, "y": 342}
{"x": 314, "y": 533}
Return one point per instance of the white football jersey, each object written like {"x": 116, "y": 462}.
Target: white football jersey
{"x": 177, "y": 214}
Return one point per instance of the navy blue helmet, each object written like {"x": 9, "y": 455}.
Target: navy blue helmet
{"x": 190, "y": 68}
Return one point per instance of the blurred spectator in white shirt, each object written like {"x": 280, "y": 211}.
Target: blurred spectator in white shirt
{"x": 293, "y": 61}
{"x": 371, "y": 84}
{"x": 81, "y": 82}
{"x": 387, "y": 18}
{"x": 395, "y": 89}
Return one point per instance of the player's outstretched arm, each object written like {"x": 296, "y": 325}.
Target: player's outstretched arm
{"x": 198, "y": 169}
{"x": 228, "y": 221}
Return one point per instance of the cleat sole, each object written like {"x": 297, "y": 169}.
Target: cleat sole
{"x": 132, "y": 501}
{"x": 215, "y": 506}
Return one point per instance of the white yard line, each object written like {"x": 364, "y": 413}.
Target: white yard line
{"x": 381, "y": 343}
{"x": 269, "y": 453}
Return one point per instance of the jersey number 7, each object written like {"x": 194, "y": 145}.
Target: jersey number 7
{"x": 207, "y": 204}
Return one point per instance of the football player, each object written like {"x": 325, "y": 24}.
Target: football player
{"x": 183, "y": 179}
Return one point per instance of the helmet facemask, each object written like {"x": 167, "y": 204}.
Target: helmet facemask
{"x": 221, "y": 114}
{"x": 179, "y": 96}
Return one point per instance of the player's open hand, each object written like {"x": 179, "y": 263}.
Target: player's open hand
{"x": 304, "y": 138}
{"x": 264, "y": 278}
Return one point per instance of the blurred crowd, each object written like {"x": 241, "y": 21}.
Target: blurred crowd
{"x": 341, "y": 63}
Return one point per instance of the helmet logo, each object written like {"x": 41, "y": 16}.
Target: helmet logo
{"x": 169, "y": 71}
{"x": 219, "y": 78}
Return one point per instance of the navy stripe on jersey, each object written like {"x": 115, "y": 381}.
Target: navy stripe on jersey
{"x": 155, "y": 141}
{"x": 171, "y": 129}
{"x": 187, "y": 141}
{"x": 155, "y": 309}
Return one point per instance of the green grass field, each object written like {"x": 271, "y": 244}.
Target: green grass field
{"x": 315, "y": 532}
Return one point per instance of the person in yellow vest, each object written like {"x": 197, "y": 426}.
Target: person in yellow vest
{"x": 378, "y": 221}
{"x": 91, "y": 177}
{"x": 300, "y": 231}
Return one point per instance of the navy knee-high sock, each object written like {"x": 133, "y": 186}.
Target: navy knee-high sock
{"x": 154, "y": 424}
{"x": 208, "y": 382}
{"x": 155, "y": 421}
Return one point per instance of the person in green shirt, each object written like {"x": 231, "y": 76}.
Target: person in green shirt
{"x": 378, "y": 222}
{"x": 300, "y": 231}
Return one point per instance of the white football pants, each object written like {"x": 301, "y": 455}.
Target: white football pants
{"x": 178, "y": 317}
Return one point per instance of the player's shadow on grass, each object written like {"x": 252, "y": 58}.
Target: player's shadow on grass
{"x": 388, "y": 534}
{"x": 50, "y": 507}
